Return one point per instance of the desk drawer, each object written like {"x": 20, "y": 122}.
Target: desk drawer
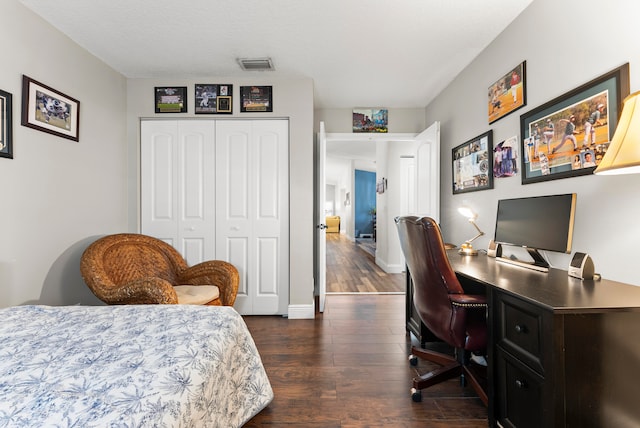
{"x": 519, "y": 330}
{"x": 519, "y": 392}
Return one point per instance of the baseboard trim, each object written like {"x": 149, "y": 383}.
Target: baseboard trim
{"x": 301, "y": 312}
{"x": 389, "y": 268}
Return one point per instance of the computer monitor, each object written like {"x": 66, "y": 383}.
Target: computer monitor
{"x": 537, "y": 223}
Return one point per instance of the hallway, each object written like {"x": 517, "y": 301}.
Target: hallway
{"x": 351, "y": 269}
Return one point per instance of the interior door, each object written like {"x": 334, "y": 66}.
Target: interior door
{"x": 321, "y": 227}
{"x": 428, "y": 172}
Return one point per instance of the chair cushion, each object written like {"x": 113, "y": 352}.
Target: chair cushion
{"x": 196, "y": 294}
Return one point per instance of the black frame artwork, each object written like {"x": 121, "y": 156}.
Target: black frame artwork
{"x": 49, "y": 110}
{"x": 256, "y": 99}
{"x": 546, "y": 130}
{"x": 213, "y": 98}
{"x": 170, "y": 99}
{"x": 508, "y": 93}
{"x": 6, "y": 125}
{"x": 472, "y": 164}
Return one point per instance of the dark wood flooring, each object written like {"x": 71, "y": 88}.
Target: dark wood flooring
{"x": 348, "y": 368}
{"x": 351, "y": 268}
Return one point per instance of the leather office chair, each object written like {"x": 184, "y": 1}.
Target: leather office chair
{"x": 456, "y": 318}
{"x": 129, "y": 268}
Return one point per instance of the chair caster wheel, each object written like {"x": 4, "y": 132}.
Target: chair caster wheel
{"x": 463, "y": 380}
{"x": 413, "y": 360}
{"x": 416, "y": 395}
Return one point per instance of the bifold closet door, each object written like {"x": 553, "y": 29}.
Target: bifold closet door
{"x": 178, "y": 185}
{"x": 252, "y": 210}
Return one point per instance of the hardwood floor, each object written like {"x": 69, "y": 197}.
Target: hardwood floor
{"x": 348, "y": 368}
{"x": 351, "y": 268}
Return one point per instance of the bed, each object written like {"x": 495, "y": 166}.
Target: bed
{"x": 128, "y": 366}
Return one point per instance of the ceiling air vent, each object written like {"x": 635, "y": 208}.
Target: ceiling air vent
{"x": 256, "y": 64}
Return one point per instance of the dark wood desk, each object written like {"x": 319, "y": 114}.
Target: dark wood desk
{"x": 562, "y": 352}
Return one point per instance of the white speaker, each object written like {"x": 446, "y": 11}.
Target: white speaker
{"x": 581, "y": 266}
{"x": 494, "y": 249}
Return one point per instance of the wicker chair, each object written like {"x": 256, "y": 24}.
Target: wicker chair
{"x": 131, "y": 268}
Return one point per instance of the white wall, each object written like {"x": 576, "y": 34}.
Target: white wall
{"x": 341, "y": 120}
{"x": 57, "y": 195}
{"x": 565, "y": 44}
{"x": 292, "y": 99}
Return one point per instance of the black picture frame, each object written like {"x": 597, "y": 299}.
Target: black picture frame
{"x": 472, "y": 164}
{"x": 6, "y": 125}
{"x": 508, "y": 94}
{"x": 545, "y": 130}
{"x": 170, "y": 99}
{"x": 213, "y": 98}
{"x": 256, "y": 99}
{"x": 49, "y": 110}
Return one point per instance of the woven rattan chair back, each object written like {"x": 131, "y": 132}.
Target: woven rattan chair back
{"x": 130, "y": 268}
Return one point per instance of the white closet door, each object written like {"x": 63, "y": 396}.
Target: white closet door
{"x": 252, "y": 214}
{"x": 178, "y": 185}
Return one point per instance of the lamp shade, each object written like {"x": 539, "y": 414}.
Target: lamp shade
{"x": 468, "y": 213}
{"x": 623, "y": 154}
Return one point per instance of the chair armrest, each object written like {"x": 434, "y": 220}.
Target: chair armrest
{"x": 469, "y": 300}
{"x": 150, "y": 290}
{"x": 222, "y": 274}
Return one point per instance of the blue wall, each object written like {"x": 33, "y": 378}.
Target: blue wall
{"x": 364, "y": 200}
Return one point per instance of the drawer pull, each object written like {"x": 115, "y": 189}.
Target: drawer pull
{"x": 521, "y": 328}
{"x": 520, "y": 384}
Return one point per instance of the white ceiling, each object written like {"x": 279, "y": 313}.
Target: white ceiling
{"x": 373, "y": 53}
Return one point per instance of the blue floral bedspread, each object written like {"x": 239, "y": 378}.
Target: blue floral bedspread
{"x": 128, "y": 366}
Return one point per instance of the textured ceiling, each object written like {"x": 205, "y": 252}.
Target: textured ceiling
{"x": 374, "y": 53}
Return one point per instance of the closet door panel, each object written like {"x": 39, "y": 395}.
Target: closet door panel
{"x": 234, "y": 227}
{"x": 268, "y": 177}
{"x": 237, "y": 253}
{"x": 159, "y": 204}
{"x": 252, "y": 176}
{"x": 178, "y": 186}
{"x": 271, "y": 154}
{"x": 236, "y": 175}
{"x": 196, "y": 191}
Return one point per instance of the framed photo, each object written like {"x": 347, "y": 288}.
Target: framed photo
{"x": 508, "y": 94}
{"x": 49, "y": 110}
{"x": 6, "y": 132}
{"x": 569, "y": 135}
{"x": 213, "y": 98}
{"x": 505, "y": 158}
{"x": 170, "y": 99}
{"x": 256, "y": 99}
{"x": 370, "y": 120}
{"x": 473, "y": 164}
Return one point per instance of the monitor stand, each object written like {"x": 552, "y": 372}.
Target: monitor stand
{"x": 538, "y": 263}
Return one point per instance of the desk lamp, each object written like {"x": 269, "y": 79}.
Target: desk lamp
{"x": 623, "y": 155}
{"x": 466, "y": 248}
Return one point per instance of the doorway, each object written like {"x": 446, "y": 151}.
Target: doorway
{"x": 352, "y": 152}
{"x": 353, "y": 167}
